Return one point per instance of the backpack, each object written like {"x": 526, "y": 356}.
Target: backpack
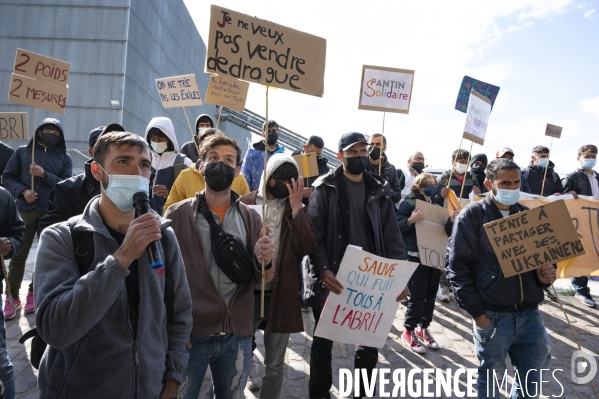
{"x": 83, "y": 242}
{"x": 477, "y": 215}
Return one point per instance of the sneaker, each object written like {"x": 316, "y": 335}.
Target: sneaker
{"x": 410, "y": 338}
{"x": 586, "y": 300}
{"x": 30, "y": 304}
{"x": 254, "y": 379}
{"x": 8, "y": 312}
{"x": 549, "y": 295}
{"x": 425, "y": 336}
{"x": 443, "y": 293}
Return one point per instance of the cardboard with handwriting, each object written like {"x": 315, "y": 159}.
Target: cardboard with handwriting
{"x": 228, "y": 92}
{"x": 179, "y": 91}
{"x": 529, "y": 240}
{"x": 13, "y": 126}
{"x": 307, "y": 164}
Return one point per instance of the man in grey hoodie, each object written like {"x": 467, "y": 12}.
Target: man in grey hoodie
{"x": 108, "y": 331}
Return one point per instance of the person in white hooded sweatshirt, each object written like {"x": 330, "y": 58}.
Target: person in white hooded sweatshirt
{"x": 166, "y": 160}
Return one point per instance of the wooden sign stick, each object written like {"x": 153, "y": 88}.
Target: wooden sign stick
{"x": 193, "y": 139}
{"x": 382, "y": 144}
{"x": 547, "y": 167}
{"x": 33, "y": 146}
{"x": 264, "y": 204}
{"x": 219, "y": 113}
{"x": 454, "y": 161}
{"x": 465, "y": 173}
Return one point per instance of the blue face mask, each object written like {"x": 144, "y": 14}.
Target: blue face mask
{"x": 543, "y": 162}
{"x": 507, "y": 197}
{"x": 589, "y": 163}
{"x": 121, "y": 189}
{"x": 430, "y": 190}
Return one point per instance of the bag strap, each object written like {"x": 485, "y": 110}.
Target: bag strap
{"x": 216, "y": 231}
{"x": 178, "y": 165}
{"x": 83, "y": 242}
{"x": 477, "y": 215}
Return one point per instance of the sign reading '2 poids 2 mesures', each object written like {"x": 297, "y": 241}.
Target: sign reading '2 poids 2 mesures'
{"x": 179, "y": 91}
{"x": 532, "y": 239}
{"x": 364, "y": 311}
{"x": 261, "y": 51}
{"x": 386, "y": 89}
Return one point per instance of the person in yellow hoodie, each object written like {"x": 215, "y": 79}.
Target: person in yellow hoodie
{"x": 190, "y": 180}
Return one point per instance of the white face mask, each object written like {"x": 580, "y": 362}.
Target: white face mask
{"x": 461, "y": 168}
{"x": 159, "y": 147}
{"x": 122, "y": 188}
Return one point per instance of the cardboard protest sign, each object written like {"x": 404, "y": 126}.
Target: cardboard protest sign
{"x": 553, "y": 131}
{"x": 468, "y": 84}
{"x": 179, "y": 91}
{"x": 13, "y": 126}
{"x": 42, "y": 68}
{"x": 227, "y": 92}
{"x": 364, "y": 311}
{"x": 386, "y": 89}
{"x": 477, "y": 118}
{"x": 37, "y": 94}
{"x": 307, "y": 164}
{"x": 261, "y": 51}
{"x": 584, "y": 213}
{"x": 529, "y": 240}
{"x": 431, "y": 235}
{"x": 454, "y": 203}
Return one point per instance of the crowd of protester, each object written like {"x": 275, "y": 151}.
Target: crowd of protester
{"x": 115, "y": 327}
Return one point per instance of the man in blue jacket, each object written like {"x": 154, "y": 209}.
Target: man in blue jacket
{"x": 253, "y": 162}
{"x": 51, "y": 165}
{"x": 504, "y": 310}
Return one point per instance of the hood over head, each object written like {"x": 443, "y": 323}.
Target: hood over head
{"x": 273, "y": 163}
{"x": 479, "y": 157}
{"x": 166, "y": 126}
{"x": 198, "y": 122}
{"x": 62, "y": 147}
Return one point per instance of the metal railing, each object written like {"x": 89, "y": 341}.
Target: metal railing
{"x": 253, "y": 122}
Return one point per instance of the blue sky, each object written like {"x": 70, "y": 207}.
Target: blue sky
{"x": 543, "y": 54}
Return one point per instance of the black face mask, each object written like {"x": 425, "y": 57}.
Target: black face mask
{"x": 273, "y": 137}
{"x": 279, "y": 190}
{"x": 478, "y": 169}
{"x": 49, "y": 139}
{"x": 356, "y": 165}
{"x": 418, "y": 166}
{"x": 219, "y": 176}
{"x": 375, "y": 153}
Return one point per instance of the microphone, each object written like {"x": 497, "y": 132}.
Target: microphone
{"x": 154, "y": 249}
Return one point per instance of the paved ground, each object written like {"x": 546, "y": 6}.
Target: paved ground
{"x": 451, "y": 328}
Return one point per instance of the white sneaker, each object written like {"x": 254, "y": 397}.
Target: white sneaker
{"x": 254, "y": 379}
{"x": 443, "y": 293}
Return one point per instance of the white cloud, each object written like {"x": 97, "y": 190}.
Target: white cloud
{"x": 590, "y": 14}
{"x": 590, "y": 106}
{"x": 516, "y": 28}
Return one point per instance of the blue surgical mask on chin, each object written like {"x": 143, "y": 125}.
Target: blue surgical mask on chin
{"x": 121, "y": 189}
{"x": 507, "y": 197}
{"x": 589, "y": 163}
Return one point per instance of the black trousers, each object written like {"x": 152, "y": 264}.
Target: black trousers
{"x": 423, "y": 285}
{"x": 321, "y": 373}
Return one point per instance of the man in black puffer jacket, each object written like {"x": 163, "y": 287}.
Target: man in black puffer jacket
{"x": 504, "y": 310}
{"x": 377, "y": 145}
{"x": 52, "y": 164}
{"x": 69, "y": 197}
{"x": 535, "y": 173}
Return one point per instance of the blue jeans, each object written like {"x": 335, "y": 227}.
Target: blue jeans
{"x": 229, "y": 358}
{"x": 522, "y": 335}
{"x": 581, "y": 285}
{"x": 6, "y": 370}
